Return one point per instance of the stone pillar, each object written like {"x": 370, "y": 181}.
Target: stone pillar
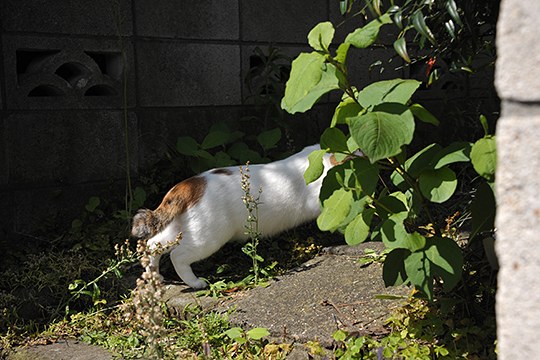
{"x": 518, "y": 180}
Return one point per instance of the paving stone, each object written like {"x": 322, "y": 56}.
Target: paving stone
{"x": 70, "y": 349}
{"x": 98, "y": 17}
{"x": 67, "y": 73}
{"x": 67, "y": 147}
{"x": 175, "y": 73}
{"x": 188, "y": 19}
{"x": 283, "y": 20}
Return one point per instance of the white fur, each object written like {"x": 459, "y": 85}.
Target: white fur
{"x": 220, "y": 215}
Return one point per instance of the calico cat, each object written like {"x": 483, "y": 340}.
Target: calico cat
{"x": 208, "y": 210}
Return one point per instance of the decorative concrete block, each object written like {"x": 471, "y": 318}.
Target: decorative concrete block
{"x": 188, "y": 19}
{"x": 280, "y": 20}
{"x": 175, "y": 73}
{"x": 67, "y": 73}
{"x": 63, "y": 148}
{"x": 518, "y": 51}
{"x": 98, "y": 17}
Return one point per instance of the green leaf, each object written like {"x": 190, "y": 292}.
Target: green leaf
{"x": 485, "y": 126}
{"x": 484, "y": 157}
{"x": 394, "y": 273}
{"x": 419, "y": 272}
{"x": 365, "y": 36}
{"x": 234, "y": 333}
{"x": 257, "y": 333}
{"x": 453, "y": 153}
{"x": 268, "y": 139}
{"x": 422, "y": 160}
{"x": 139, "y": 197}
{"x": 241, "y": 152}
{"x": 438, "y": 185}
{"x": 423, "y": 115}
{"x": 381, "y": 134}
{"x": 451, "y": 7}
{"x": 335, "y": 210}
{"x": 419, "y": 24}
{"x": 345, "y": 109}
{"x": 483, "y": 209}
{"x": 395, "y": 236}
{"x": 92, "y": 204}
{"x": 447, "y": 260}
{"x": 310, "y": 79}
{"x": 334, "y": 140}
{"x": 400, "y": 45}
{"x": 341, "y": 53}
{"x": 393, "y": 91}
{"x": 366, "y": 174}
{"x": 389, "y": 205}
{"x": 315, "y": 168}
{"x": 186, "y": 145}
{"x": 358, "y": 230}
{"x": 320, "y": 37}
{"x": 215, "y": 138}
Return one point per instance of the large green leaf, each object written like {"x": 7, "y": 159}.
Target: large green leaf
{"x": 268, "y": 139}
{"x": 381, "y": 134}
{"x": 315, "y": 167}
{"x": 394, "y": 273}
{"x": 419, "y": 272}
{"x": 393, "y": 91}
{"x": 186, "y": 145}
{"x": 366, "y": 175}
{"x": 320, "y": 37}
{"x": 358, "y": 230}
{"x": 484, "y": 157}
{"x": 334, "y": 140}
{"x": 215, "y": 138}
{"x": 447, "y": 260}
{"x": 483, "y": 209}
{"x": 306, "y": 73}
{"x": 438, "y": 185}
{"x": 367, "y": 35}
{"x": 335, "y": 210}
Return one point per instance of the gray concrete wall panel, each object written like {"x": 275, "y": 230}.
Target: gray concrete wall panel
{"x": 61, "y": 148}
{"x": 188, "y": 19}
{"x": 173, "y": 73}
{"x": 97, "y": 17}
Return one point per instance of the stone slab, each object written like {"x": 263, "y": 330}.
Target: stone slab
{"x": 174, "y": 73}
{"x": 518, "y": 51}
{"x": 188, "y": 19}
{"x": 98, "y": 17}
{"x": 329, "y": 292}
{"x": 518, "y": 226}
{"x": 280, "y": 20}
{"x": 67, "y": 73}
{"x": 62, "y": 148}
{"x": 70, "y": 349}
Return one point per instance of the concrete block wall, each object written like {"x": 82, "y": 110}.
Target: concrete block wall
{"x": 76, "y": 76}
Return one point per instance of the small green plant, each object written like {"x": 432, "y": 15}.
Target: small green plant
{"x": 252, "y": 227}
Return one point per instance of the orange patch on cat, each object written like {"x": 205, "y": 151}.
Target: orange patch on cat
{"x": 222, "y": 171}
{"x": 180, "y": 198}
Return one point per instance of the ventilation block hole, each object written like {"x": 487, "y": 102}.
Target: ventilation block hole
{"x": 71, "y": 71}
{"x": 110, "y": 63}
{"x": 29, "y": 60}
{"x": 100, "y": 90}
{"x": 45, "y": 90}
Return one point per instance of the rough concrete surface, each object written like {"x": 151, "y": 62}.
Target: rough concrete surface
{"x": 329, "y": 292}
